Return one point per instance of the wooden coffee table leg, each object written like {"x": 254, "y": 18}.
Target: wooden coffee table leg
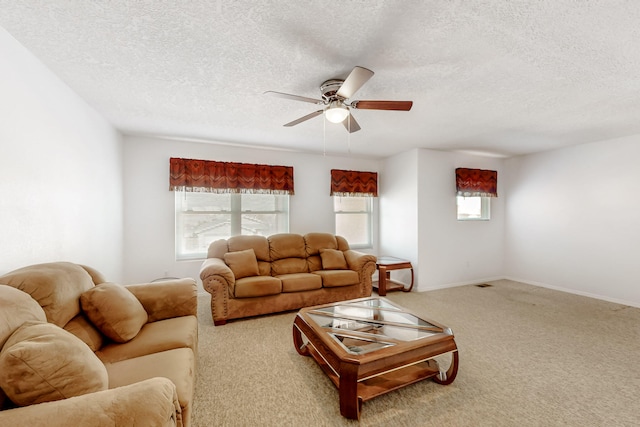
{"x": 350, "y": 404}
{"x": 298, "y": 342}
{"x": 451, "y": 373}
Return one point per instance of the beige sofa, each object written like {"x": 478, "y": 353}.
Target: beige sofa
{"x": 254, "y": 275}
{"x": 78, "y": 351}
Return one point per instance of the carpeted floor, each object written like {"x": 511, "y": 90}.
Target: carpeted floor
{"x": 529, "y": 356}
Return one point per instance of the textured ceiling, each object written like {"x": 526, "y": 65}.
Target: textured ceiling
{"x": 495, "y": 77}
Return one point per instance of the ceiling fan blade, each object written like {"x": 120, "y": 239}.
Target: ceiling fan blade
{"x": 350, "y": 124}
{"x": 354, "y": 81}
{"x": 294, "y": 97}
{"x": 383, "y": 105}
{"x": 305, "y": 118}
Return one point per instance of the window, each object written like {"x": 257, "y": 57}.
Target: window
{"x": 473, "y": 208}
{"x": 202, "y": 218}
{"x": 354, "y": 220}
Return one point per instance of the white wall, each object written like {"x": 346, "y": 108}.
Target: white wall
{"x": 60, "y": 171}
{"x": 398, "y": 200}
{"x": 149, "y": 246}
{"x": 572, "y": 220}
{"x": 418, "y": 220}
{"x": 456, "y": 252}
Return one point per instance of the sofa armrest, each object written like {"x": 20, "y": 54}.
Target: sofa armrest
{"x": 218, "y": 279}
{"x": 357, "y": 261}
{"x": 215, "y": 268}
{"x": 153, "y": 402}
{"x": 365, "y": 266}
{"x": 167, "y": 299}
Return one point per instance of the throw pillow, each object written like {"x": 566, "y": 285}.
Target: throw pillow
{"x": 114, "y": 310}
{"x": 333, "y": 259}
{"x": 16, "y": 307}
{"x": 42, "y": 362}
{"x": 242, "y": 263}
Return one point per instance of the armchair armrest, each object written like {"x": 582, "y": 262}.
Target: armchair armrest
{"x": 153, "y": 402}
{"x": 167, "y": 299}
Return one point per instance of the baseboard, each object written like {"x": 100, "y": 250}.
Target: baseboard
{"x": 575, "y": 292}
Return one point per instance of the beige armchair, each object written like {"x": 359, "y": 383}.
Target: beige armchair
{"x": 109, "y": 354}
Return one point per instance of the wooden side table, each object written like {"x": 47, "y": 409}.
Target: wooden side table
{"x": 384, "y": 265}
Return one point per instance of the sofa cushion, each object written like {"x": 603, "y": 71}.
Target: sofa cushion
{"x": 333, "y": 259}
{"x": 114, "y": 310}
{"x": 259, "y": 244}
{"x": 16, "y": 307}
{"x": 334, "y": 278}
{"x": 154, "y": 337}
{"x": 300, "y": 282}
{"x": 42, "y": 362}
{"x": 315, "y": 242}
{"x": 286, "y": 245}
{"x": 177, "y": 365}
{"x": 55, "y": 286}
{"x": 257, "y": 286}
{"x": 83, "y": 329}
{"x": 289, "y": 266}
{"x": 242, "y": 263}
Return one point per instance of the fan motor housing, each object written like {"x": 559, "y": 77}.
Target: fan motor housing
{"x": 329, "y": 89}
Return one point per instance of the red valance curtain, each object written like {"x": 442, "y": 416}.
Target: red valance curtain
{"x": 226, "y": 177}
{"x": 476, "y": 183}
{"x": 353, "y": 183}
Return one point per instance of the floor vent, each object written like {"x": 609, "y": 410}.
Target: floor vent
{"x": 484, "y": 285}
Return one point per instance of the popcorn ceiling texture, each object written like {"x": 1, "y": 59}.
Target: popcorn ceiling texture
{"x": 499, "y": 77}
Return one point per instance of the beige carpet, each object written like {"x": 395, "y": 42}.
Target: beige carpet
{"x": 529, "y": 356}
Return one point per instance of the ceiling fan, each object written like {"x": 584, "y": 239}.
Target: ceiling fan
{"x": 337, "y": 109}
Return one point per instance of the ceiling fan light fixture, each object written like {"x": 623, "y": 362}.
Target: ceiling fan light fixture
{"x": 336, "y": 112}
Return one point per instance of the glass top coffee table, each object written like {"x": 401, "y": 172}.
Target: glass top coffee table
{"x": 371, "y": 346}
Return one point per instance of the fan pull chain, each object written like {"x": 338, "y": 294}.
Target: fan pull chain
{"x": 349, "y": 135}
{"x": 324, "y": 136}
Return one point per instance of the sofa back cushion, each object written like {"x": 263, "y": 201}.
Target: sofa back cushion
{"x": 55, "y": 286}
{"x": 86, "y": 331}
{"x": 286, "y": 245}
{"x": 259, "y": 244}
{"x": 218, "y": 248}
{"x": 343, "y": 245}
{"x": 314, "y": 242}
{"x": 288, "y": 254}
{"x": 289, "y": 266}
{"x": 260, "y": 247}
